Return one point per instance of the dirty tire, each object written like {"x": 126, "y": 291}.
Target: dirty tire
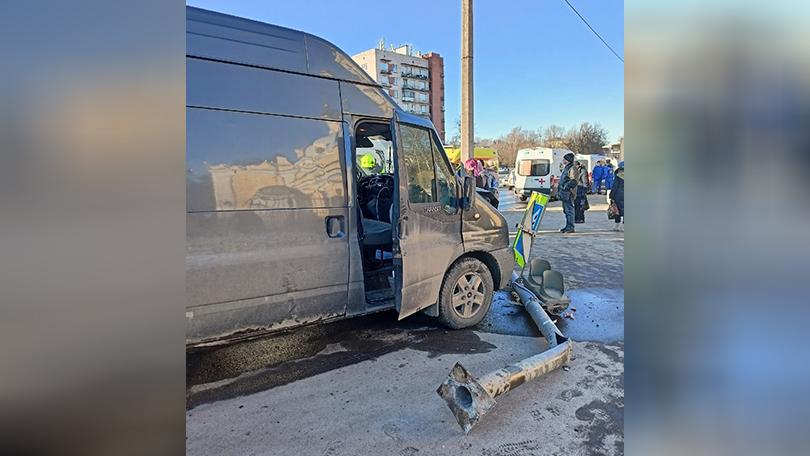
{"x": 466, "y": 294}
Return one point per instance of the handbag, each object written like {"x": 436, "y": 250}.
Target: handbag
{"x": 585, "y": 204}
{"x": 612, "y": 211}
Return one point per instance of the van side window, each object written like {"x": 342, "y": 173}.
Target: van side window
{"x": 445, "y": 179}
{"x": 418, "y": 157}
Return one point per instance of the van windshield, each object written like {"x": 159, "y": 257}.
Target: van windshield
{"x": 537, "y": 167}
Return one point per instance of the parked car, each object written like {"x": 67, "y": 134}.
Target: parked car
{"x": 503, "y": 176}
{"x": 312, "y": 196}
{"x": 510, "y": 180}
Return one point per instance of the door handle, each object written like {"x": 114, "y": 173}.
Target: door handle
{"x": 335, "y": 226}
{"x": 402, "y": 230}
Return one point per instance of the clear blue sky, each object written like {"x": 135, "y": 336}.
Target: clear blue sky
{"x": 536, "y": 63}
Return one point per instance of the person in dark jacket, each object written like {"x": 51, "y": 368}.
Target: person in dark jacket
{"x": 598, "y": 175}
{"x": 583, "y": 185}
{"x": 566, "y": 191}
{"x": 617, "y": 196}
{"x": 608, "y": 175}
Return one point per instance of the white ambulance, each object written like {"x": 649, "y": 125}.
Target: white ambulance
{"x": 541, "y": 168}
{"x": 535, "y": 168}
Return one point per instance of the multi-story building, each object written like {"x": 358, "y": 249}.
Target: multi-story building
{"x": 414, "y": 80}
{"x": 615, "y": 150}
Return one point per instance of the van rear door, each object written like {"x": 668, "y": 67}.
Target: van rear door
{"x": 428, "y": 228}
{"x": 536, "y": 172}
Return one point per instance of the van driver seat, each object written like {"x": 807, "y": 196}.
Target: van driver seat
{"x": 376, "y": 233}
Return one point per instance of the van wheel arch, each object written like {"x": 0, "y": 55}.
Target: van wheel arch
{"x": 490, "y": 262}
{"x": 485, "y": 257}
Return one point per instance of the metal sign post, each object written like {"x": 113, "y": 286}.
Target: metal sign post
{"x": 527, "y": 229}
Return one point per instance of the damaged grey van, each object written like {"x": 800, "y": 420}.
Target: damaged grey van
{"x": 312, "y": 196}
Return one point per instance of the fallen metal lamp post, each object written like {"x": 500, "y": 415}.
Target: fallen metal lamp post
{"x": 470, "y": 399}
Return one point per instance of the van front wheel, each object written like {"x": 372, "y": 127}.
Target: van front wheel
{"x": 466, "y": 294}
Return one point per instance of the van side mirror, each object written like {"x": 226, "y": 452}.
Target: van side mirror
{"x": 468, "y": 192}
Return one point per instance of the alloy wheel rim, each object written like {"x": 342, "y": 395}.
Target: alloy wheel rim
{"x": 468, "y": 295}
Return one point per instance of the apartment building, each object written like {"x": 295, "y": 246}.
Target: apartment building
{"x": 615, "y": 150}
{"x": 413, "y": 79}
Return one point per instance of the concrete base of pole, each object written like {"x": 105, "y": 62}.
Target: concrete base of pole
{"x": 470, "y": 398}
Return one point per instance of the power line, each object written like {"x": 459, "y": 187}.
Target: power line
{"x": 594, "y": 31}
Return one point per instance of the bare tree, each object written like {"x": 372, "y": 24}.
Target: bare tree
{"x": 554, "y": 137}
{"x": 483, "y": 142}
{"x": 456, "y": 138}
{"x": 586, "y": 139}
{"x": 519, "y": 138}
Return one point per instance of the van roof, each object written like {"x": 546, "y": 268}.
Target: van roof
{"x": 234, "y": 39}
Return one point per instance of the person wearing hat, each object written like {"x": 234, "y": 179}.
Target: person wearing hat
{"x": 566, "y": 191}
{"x": 617, "y": 197}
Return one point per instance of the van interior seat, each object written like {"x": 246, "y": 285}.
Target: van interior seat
{"x": 376, "y": 233}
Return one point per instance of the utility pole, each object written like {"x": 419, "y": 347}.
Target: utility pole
{"x": 467, "y": 134}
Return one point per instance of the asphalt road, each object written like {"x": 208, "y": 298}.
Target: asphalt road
{"x": 367, "y": 385}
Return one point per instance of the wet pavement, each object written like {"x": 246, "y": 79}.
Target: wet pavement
{"x": 256, "y": 365}
{"x": 598, "y": 316}
{"x": 591, "y": 261}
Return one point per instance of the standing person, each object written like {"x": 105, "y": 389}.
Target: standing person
{"x": 583, "y": 184}
{"x": 483, "y": 173}
{"x": 566, "y": 191}
{"x": 608, "y": 173}
{"x": 598, "y": 175}
{"x": 474, "y": 169}
{"x": 489, "y": 177}
{"x": 617, "y": 196}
